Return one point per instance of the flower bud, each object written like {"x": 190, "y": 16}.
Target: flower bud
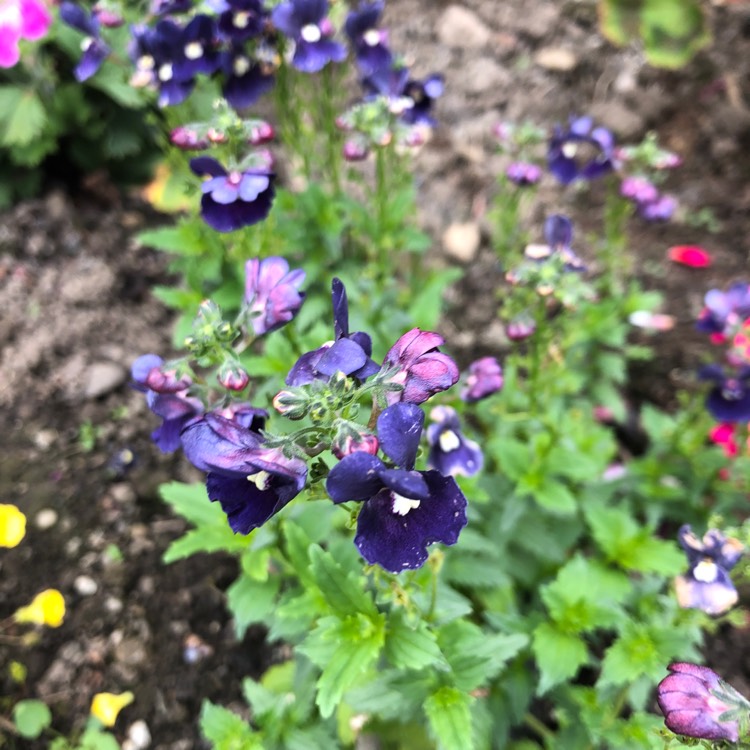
{"x": 354, "y": 150}
{"x": 293, "y": 404}
{"x": 187, "y": 139}
{"x": 348, "y": 440}
{"x": 167, "y": 380}
{"x": 523, "y": 173}
{"x": 261, "y": 133}
{"x": 233, "y": 377}
{"x": 108, "y": 17}
{"x": 520, "y": 328}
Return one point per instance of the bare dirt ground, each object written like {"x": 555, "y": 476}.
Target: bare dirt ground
{"x": 76, "y": 311}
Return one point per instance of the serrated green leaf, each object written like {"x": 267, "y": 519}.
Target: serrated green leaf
{"x": 251, "y": 601}
{"x": 31, "y": 718}
{"x": 358, "y": 643}
{"x": 448, "y": 712}
{"x": 555, "y": 497}
{"x": 391, "y": 696}
{"x": 410, "y": 646}
{"x": 559, "y": 655}
{"x": 632, "y": 655}
{"x": 25, "y": 122}
{"x": 226, "y": 730}
{"x": 344, "y": 592}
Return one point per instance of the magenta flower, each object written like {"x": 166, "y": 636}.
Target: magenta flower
{"x": 20, "y": 19}
{"x": 416, "y": 363}
{"x": 485, "y": 378}
{"x": 272, "y": 296}
{"x": 696, "y": 702}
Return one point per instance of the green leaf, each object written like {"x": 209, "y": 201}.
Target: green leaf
{"x": 31, "y": 718}
{"x": 97, "y": 739}
{"x": 226, "y": 730}
{"x": 559, "y": 655}
{"x": 26, "y": 121}
{"x": 344, "y": 591}
{"x": 391, "y": 696}
{"x": 358, "y": 642}
{"x": 448, "y": 712}
{"x": 425, "y": 306}
{"x": 633, "y": 654}
{"x": 555, "y": 497}
{"x": 251, "y": 601}
{"x": 213, "y": 532}
{"x": 410, "y": 647}
{"x": 673, "y": 31}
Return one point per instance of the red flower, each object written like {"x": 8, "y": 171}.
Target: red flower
{"x": 690, "y": 255}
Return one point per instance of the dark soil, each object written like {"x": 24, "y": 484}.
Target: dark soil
{"x": 76, "y": 311}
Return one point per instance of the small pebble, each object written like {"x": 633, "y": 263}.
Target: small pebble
{"x": 139, "y": 735}
{"x": 45, "y": 439}
{"x": 45, "y": 519}
{"x": 556, "y": 58}
{"x": 85, "y": 586}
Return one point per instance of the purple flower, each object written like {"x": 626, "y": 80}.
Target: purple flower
{"x": 416, "y": 363}
{"x": 523, "y": 173}
{"x": 661, "y": 209}
{"x": 197, "y": 52}
{"x": 558, "y": 231}
{"x": 242, "y": 20}
{"x": 520, "y": 328}
{"x": 485, "y": 378}
{"x": 171, "y": 401}
{"x": 707, "y": 584}
{"x": 246, "y": 79}
{"x": 348, "y": 353}
{"x": 404, "y": 510}
{"x": 451, "y": 453}
{"x": 639, "y": 190}
{"x": 723, "y": 310}
{"x": 729, "y": 399}
{"x": 582, "y": 152}
{"x": 305, "y": 23}
{"x": 408, "y": 98}
{"x": 370, "y": 47}
{"x": 252, "y": 482}
{"x": 696, "y": 702}
{"x": 272, "y": 296}
{"x": 95, "y": 50}
{"x": 235, "y": 199}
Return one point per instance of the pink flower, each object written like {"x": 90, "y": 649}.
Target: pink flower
{"x": 20, "y": 19}
{"x": 690, "y": 255}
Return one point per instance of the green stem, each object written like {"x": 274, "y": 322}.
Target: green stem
{"x": 540, "y": 728}
{"x": 328, "y": 126}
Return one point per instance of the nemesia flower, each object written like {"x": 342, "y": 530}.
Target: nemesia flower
{"x": 95, "y": 49}
{"x": 305, "y": 23}
{"x": 12, "y": 525}
{"x": 46, "y": 608}
{"x": 485, "y": 378}
{"x": 107, "y": 706}
{"x": 408, "y": 98}
{"x": 246, "y": 79}
{"x": 370, "y": 44}
{"x": 251, "y": 481}
{"x": 558, "y": 231}
{"x": 707, "y": 584}
{"x": 724, "y": 310}
{"x": 403, "y": 511}
{"x": 523, "y": 173}
{"x": 242, "y": 20}
{"x": 415, "y": 362}
{"x": 232, "y": 200}
{"x": 639, "y": 189}
{"x": 690, "y": 255}
{"x": 348, "y": 352}
{"x": 580, "y": 152}
{"x": 660, "y": 209}
{"x": 272, "y": 296}
{"x": 696, "y": 702}
{"x": 20, "y": 19}
{"x": 451, "y": 452}
{"x": 729, "y": 399}
{"x": 167, "y": 400}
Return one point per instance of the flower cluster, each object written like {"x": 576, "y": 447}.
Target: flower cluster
{"x": 253, "y": 474}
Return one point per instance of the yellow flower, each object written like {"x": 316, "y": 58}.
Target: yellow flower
{"x": 47, "y": 608}
{"x": 106, "y": 706}
{"x": 12, "y": 526}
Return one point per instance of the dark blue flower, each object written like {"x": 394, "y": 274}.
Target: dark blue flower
{"x": 580, "y": 152}
{"x": 558, "y": 231}
{"x": 168, "y": 7}
{"x": 370, "y": 47}
{"x": 408, "y": 98}
{"x": 707, "y": 584}
{"x": 252, "y": 482}
{"x": 306, "y": 24}
{"x": 416, "y": 363}
{"x": 404, "y": 510}
{"x": 451, "y": 452}
{"x": 242, "y": 20}
{"x": 246, "y": 78}
{"x": 348, "y": 352}
{"x": 95, "y": 50}
{"x": 155, "y": 52}
{"x": 485, "y": 378}
{"x": 729, "y": 399}
{"x": 198, "y": 52}
{"x": 232, "y": 200}
{"x": 166, "y": 396}
{"x": 272, "y": 296}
